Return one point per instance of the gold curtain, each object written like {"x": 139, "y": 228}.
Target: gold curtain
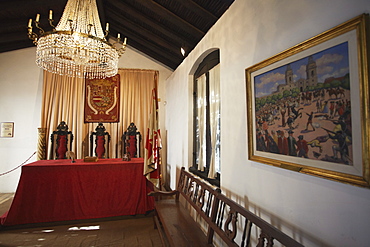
{"x": 63, "y": 100}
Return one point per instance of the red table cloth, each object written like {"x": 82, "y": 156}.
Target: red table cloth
{"x": 58, "y": 190}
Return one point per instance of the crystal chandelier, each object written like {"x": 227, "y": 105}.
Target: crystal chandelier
{"x": 77, "y": 46}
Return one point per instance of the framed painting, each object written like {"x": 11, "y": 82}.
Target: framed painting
{"x": 308, "y": 106}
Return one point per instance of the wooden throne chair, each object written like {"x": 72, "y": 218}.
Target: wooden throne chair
{"x": 61, "y": 142}
{"x": 131, "y": 140}
{"x": 101, "y": 142}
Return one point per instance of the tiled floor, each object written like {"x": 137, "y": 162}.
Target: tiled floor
{"x": 119, "y": 231}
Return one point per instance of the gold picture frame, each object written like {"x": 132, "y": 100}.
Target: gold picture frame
{"x": 308, "y": 106}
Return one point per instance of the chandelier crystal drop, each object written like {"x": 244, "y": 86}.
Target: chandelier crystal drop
{"x": 77, "y": 46}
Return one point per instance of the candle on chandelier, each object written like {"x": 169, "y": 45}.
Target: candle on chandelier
{"x": 50, "y": 14}
{"x": 30, "y": 23}
{"x": 124, "y": 41}
{"x": 118, "y": 36}
{"x": 37, "y": 17}
{"x": 107, "y": 26}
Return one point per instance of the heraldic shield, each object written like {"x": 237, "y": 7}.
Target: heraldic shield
{"x": 102, "y": 100}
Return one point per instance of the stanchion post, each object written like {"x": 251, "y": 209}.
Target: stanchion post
{"x": 41, "y": 144}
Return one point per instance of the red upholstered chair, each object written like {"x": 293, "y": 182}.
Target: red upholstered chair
{"x": 102, "y": 140}
{"x": 131, "y": 140}
{"x": 61, "y": 142}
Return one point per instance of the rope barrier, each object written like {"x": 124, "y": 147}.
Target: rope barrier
{"x": 2, "y": 174}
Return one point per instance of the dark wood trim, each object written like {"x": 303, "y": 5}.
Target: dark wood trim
{"x": 234, "y": 224}
{"x": 204, "y": 67}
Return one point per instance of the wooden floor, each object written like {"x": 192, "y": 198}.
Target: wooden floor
{"x": 119, "y": 231}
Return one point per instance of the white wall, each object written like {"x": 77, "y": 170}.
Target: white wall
{"x": 316, "y": 211}
{"x": 20, "y": 101}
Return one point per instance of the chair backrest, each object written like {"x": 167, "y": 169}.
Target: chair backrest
{"x": 101, "y": 143}
{"x": 61, "y": 141}
{"x": 131, "y": 140}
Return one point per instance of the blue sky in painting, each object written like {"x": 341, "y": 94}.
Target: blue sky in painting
{"x": 332, "y": 62}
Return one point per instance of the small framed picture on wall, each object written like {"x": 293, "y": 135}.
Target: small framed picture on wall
{"x": 6, "y": 129}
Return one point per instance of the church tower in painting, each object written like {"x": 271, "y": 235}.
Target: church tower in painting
{"x": 289, "y": 75}
{"x": 311, "y": 72}
{"x": 302, "y": 84}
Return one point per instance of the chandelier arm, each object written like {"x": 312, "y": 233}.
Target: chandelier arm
{"x": 32, "y": 36}
{"x": 51, "y": 23}
{"x": 38, "y": 26}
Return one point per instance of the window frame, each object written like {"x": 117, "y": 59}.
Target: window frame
{"x": 208, "y": 63}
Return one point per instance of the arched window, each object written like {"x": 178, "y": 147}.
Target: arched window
{"x": 206, "y": 119}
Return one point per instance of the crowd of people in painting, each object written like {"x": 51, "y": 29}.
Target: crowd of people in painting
{"x": 314, "y": 124}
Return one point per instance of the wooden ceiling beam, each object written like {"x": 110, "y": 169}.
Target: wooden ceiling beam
{"x": 15, "y": 46}
{"x": 199, "y": 10}
{"x": 171, "y": 17}
{"x": 138, "y": 16}
{"x": 101, "y": 11}
{"x": 146, "y": 41}
{"x": 155, "y": 55}
{"x": 29, "y": 9}
{"x": 14, "y": 37}
{"x": 140, "y": 42}
{"x": 26, "y": 4}
{"x": 154, "y": 38}
{"x": 12, "y": 25}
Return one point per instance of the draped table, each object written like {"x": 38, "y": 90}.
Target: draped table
{"x": 58, "y": 190}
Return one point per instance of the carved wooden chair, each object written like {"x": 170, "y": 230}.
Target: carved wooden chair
{"x": 61, "y": 142}
{"x": 101, "y": 143}
{"x": 131, "y": 140}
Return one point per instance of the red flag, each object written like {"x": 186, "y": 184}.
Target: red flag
{"x": 153, "y": 141}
